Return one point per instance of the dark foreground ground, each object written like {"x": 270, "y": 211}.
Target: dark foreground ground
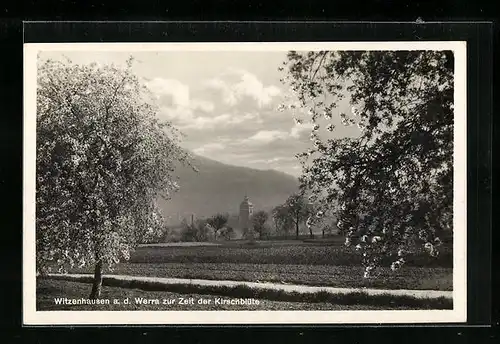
{"x": 49, "y": 290}
{"x": 149, "y": 296}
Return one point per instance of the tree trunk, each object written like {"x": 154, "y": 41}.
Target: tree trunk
{"x": 97, "y": 284}
{"x": 323, "y": 233}
{"x": 297, "y": 229}
{"x": 311, "y": 233}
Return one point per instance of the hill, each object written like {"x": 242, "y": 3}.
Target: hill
{"x": 219, "y": 187}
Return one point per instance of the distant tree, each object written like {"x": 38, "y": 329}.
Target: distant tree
{"x": 326, "y": 229}
{"x": 194, "y": 231}
{"x": 202, "y": 230}
{"x": 103, "y": 160}
{"x": 188, "y": 231}
{"x": 248, "y": 234}
{"x": 393, "y": 181}
{"x": 259, "y": 220}
{"x": 314, "y": 218}
{"x": 281, "y": 219}
{"x": 217, "y": 222}
{"x": 227, "y": 232}
{"x": 298, "y": 210}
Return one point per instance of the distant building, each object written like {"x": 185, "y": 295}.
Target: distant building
{"x": 246, "y": 212}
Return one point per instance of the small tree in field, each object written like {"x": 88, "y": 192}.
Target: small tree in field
{"x": 248, "y": 234}
{"x": 227, "y": 233}
{"x": 194, "y": 231}
{"x": 281, "y": 219}
{"x": 217, "y": 222}
{"x": 259, "y": 220}
{"x": 103, "y": 160}
{"x": 391, "y": 182}
{"x": 188, "y": 231}
{"x": 201, "y": 229}
{"x": 298, "y": 211}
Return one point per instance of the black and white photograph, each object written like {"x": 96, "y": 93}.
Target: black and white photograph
{"x": 222, "y": 183}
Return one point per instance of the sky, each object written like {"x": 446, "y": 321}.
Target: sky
{"x": 225, "y": 102}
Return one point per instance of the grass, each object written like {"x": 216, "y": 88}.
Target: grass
{"x": 284, "y": 252}
{"x": 326, "y": 275}
{"x": 295, "y": 262}
{"x": 48, "y": 290}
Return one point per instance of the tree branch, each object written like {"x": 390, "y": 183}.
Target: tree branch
{"x": 319, "y": 65}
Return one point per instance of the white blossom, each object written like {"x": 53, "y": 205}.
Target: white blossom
{"x": 422, "y": 234}
{"x": 395, "y": 266}
{"x": 368, "y": 271}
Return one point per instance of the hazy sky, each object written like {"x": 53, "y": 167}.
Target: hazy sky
{"x": 225, "y": 102}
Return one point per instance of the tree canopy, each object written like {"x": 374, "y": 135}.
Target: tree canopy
{"x": 103, "y": 159}
{"x": 298, "y": 210}
{"x": 393, "y": 181}
{"x": 259, "y": 220}
{"x": 281, "y": 219}
{"x": 218, "y": 222}
{"x": 195, "y": 231}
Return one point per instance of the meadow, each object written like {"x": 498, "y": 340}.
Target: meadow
{"x": 273, "y": 252}
{"x": 293, "y": 262}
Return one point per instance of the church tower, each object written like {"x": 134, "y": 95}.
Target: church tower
{"x": 246, "y": 212}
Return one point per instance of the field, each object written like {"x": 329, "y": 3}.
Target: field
{"x": 272, "y": 252}
{"x": 293, "y": 262}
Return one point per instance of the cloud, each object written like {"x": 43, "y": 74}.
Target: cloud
{"x": 209, "y": 148}
{"x": 245, "y": 85}
{"x": 228, "y": 95}
{"x": 170, "y": 87}
{"x": 235, "y": 122}
{"x": 299, "y": 131}
{"x": 203, "y": 105}
{"x": 273, "y": 160}
{"x": 221, "y": 121}
{"x": 267, "y": 136}
{"x": 181, "y": 103}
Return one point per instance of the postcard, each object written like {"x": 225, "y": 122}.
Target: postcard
{"x": 245, "y": 183}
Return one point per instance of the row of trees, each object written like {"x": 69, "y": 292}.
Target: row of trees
{"x": 215, "y": 227}
{"x": 284, "y": 220}
{"x": 297, "y": 210}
